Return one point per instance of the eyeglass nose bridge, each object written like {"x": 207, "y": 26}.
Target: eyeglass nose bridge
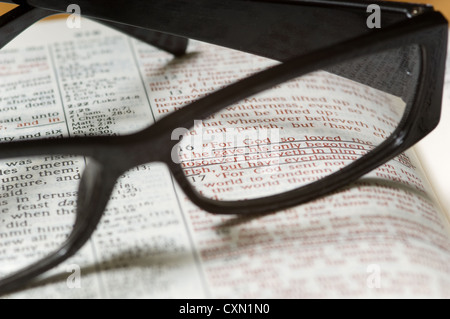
{"x": 145, "y": 147}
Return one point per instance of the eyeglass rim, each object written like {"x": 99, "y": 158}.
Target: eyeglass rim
{"x": 20, "y": 18}
{"x": 421, "y": 117}
{"x": 137, "y": 145}
{"x": 428, "y": 30}
{"x": 231, "y": 19}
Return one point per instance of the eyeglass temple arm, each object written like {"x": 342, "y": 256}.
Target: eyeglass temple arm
{"x": 275, "y": 29}
{"x": 166, "y": 42}
{"x": 22, "y": 17}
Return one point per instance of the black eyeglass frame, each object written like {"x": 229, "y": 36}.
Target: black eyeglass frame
{"x": 113, "y": 156}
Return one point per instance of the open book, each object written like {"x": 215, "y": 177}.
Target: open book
{"x": 386, "y": 235}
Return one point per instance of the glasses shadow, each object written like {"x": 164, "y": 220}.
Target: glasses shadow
{"x": 369, "y": 181}
{"x": 187, "y": 58}
{"x": 89, "y": 274}
{"x": 129, "y": 260}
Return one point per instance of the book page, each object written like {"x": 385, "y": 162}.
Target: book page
{"x": 434, "y": 147}
{"x": 382, "y": 236}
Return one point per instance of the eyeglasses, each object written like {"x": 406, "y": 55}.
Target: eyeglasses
{"x": 345, "y": 99}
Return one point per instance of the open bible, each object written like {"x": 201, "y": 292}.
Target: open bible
{"x": 387, "y": 235}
